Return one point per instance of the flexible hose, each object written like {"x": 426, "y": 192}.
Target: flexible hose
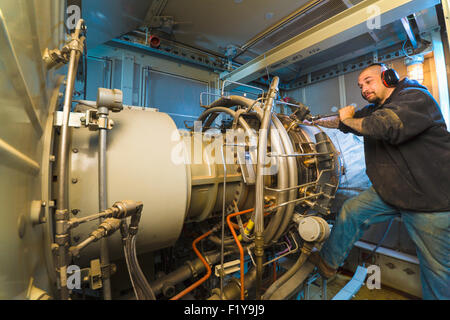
{"x": 142, "y": 280}
{"x": 285, "y": 277}
{"x": 208, "y": 268}
{"x": 141, "y": 287}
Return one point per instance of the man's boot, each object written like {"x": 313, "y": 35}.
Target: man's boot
{"x": 324, "y": 269}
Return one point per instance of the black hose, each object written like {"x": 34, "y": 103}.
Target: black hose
{"x": 277, "y": 284}
{"x": 381, "y": 241}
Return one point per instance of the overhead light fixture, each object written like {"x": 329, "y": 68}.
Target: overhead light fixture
{"x": 414, "y": 67}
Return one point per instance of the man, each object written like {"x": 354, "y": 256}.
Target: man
{"x": 407, "y": 154}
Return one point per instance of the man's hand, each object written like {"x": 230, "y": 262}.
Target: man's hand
{"x": 329, "y": 122}
{"x": 346, "y": 113}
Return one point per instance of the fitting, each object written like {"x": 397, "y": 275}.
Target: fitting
{"x": 313, "y": 229}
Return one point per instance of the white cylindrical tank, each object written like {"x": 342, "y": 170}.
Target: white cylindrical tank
{"x": 144, "y": 163}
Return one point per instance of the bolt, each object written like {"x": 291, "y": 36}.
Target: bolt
{"x": 113, "y": 268}
{"x": 76, "y": 238}
{"x": 75, "y": 150}
{"x": 44, "y": 204}
{"x": 74, "y": 180}
{"x": 75, "y": 211}
{"x": 52, "y": 158}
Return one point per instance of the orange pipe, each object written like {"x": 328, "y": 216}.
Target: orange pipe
{"x": 245, "y": 224}
{"x": 241, "y": 250}
{"x": 208, "y": 269}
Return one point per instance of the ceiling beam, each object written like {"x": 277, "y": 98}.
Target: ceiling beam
{"x": 340, "y": 28}
{"x": 409, "y": 32}
{"x": 371, "y": 32}
{"x": 385, "y": 43}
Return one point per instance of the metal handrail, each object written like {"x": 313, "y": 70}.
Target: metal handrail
{"x": 242, "y": 84}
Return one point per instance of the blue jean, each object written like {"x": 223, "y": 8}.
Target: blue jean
{"x": 430, "y": 232}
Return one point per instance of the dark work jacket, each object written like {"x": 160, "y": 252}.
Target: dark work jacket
{"x": 407, "y": 149}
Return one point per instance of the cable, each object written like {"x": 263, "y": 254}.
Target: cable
{"x": 403, "y": 48}
{"x": 381, "y": 241}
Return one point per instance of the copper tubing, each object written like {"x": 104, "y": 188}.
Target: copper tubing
{"x": 208, "y": 268}
{"x": 241, "y": 250}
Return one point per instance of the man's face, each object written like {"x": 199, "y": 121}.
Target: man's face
{"x": 371, "y": 85}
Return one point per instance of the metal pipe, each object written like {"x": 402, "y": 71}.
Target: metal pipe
{"x": 61, "y": 215}
{"x": 17, "y": 158}
{"x": 102, "y": 197}
{"x": 259, "y": 200}
{"x": 233, "y": 289}
{"x": 297, "y": 200}
{"x": 289, "y": 251}
{"x": 293, "y": 177}
{"x": 166, "y": 284}
{"x": 282, "y": 182}
{"x": 231, "y": 101}
{"x": 223, "y": 217}
{"x": 298, "y": 186}
{"x": 242, "y": 122}
{"x": 290, "y": 155}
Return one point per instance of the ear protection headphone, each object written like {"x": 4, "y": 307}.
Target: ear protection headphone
{"x": 389, "y": 77}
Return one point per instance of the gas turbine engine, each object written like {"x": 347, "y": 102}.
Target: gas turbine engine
{"x": 270, "y": 172}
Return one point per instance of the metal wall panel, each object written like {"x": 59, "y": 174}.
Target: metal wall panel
{"x": 175, "y": 95}
{"x": 322, "y": 96}
{"x": 352, "y": 91}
